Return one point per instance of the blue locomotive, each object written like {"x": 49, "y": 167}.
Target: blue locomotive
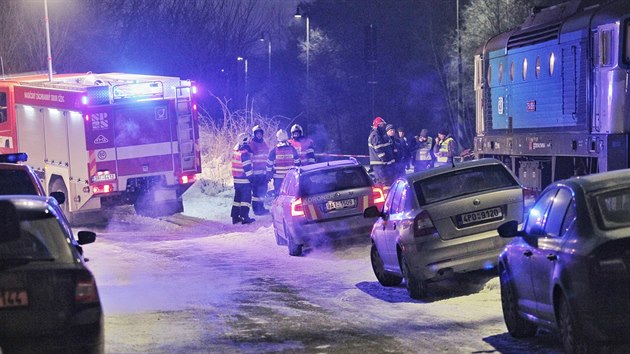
{"x": 552, "y": 96}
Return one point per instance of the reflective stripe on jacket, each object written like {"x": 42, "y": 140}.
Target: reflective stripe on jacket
{"x": 444, "y": 150}
{"x": 260, "y": 152}
{"x": 281, "y": 159}
{"x": 241, "y": 164}
{"x": 381, "y": 149}
{"x": 424, "y": 149}
{"x": 305, "y": 149}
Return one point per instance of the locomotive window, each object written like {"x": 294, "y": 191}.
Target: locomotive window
{"x": 605, "y": 44}
{"x": 512, "y": 71}
{"x": 3, "y": 107}
{"x": 524, "y": 69}
{"x": 552, "y": 62}
{"x": 537, "y": 66}
{"x": 500, "y": 72}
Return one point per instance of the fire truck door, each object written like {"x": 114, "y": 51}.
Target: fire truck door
{"x": 143, "y": 139}
{"x": 56, "y": 136}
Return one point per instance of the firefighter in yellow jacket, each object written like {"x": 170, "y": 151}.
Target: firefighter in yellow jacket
{"x": 242, "y": 174}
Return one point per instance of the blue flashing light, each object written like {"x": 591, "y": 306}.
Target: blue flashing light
{"x": 14, "y": 158}
{"x": 84, "y": 100}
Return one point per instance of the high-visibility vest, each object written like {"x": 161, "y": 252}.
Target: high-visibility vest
{"x": 305, "y": 149}
{"x": 424, "y": 150}
{"x": 241, "y": 165}
{"x": 281, "y": 159}
{"x": 260, "y": 152}
{"x": 444, "y": 154}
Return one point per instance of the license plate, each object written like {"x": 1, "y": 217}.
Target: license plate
{"x": 481, "y": 216}
{"x": 340, "y": 204}
{"x": 13, "y": 298}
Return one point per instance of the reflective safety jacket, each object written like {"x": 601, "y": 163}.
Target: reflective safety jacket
{"x": 241, "y": 164}
{"x": 305, "y": 149}
{"x": 444, "y": 150}
{"x": 381, "y": 148}
{"x": 281, "y": 159}
{"x": 260, "y": 152}
{"x": 424, "y": 149}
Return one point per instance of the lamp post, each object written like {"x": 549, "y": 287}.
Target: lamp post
{"x": 244, "y": 61}
{"x": 298, "y": 15}
{"x": 268, "y": 39}
{"x": 460, "y": 98}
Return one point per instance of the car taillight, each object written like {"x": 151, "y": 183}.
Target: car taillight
{"x": 185, "y": 179}
{"x": 86, "y": 290}
{"x": 378, "y": 195}
{"x": 105, "y": 188}
{"x": 297, "y": 209}
{"x": 422, "y": 225}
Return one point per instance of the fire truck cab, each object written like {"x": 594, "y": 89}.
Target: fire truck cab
{"x": 105, "y": 139}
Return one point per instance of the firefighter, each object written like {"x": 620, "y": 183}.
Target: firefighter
{"x": 280, "y": 160}
{"x": 381, "y": 153}
{"x": 444, "y": 149}
{"x": 260, "y": 152}
{"x": 424, "y": 152}
{"x": 242, "y": 173}
{"x": 303, "y": 145}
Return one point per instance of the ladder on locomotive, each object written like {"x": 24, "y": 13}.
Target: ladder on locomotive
{"x": 185, "y": 127}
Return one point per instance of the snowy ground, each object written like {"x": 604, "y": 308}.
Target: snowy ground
{"x": 189, "y": 285}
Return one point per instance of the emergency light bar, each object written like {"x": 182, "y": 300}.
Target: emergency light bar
{"x": 138, "y": 91}
{"x": 13, "y": 158}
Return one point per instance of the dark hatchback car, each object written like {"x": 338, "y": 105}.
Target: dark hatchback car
{"x": 323, "y": 202}
{"x": 569, "y": 269}
{"x": 48, "y": 298}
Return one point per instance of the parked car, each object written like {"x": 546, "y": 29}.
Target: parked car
{"x": 323, "y": 201}
{"x": 443, "y": 221}
{"x": 49, "y": 301}
{"x": 18, "y": 178}
{"x": 569, "y": 268}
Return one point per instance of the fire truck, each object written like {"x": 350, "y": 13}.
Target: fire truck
{"x": 105, "y": 139}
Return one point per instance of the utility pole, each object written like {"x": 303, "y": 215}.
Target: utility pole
{"x": 50, "y": 69}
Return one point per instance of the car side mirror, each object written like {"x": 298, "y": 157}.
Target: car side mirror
{"x": 59, "y": 197}
{"x": 86, "y": 237}
{"x": 371, "y": 212}
{"x": 9, "y": 222}
{"x": 509, "y": 229}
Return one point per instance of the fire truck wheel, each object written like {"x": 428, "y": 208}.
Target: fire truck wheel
{"x": 59, "y": 186}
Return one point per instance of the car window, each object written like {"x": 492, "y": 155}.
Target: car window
{"x": 397, "y": 201}
{"x": 557, "y": 212}
{"x": 387, "y": 207}
{"x": 463, "y": 182}
{"x": 612, "y": 208}
{"x": 41, "y": 238}
{"x": 16, "y": 182}
{"x": 569, "y": 218}
{"x": 325, "y": 181}
{"x": 285, "y": 187}
{"x": 538, "y": 213}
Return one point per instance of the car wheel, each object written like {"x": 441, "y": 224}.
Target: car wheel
{"x": 416, "y": 288}
{"x": 294, "y": 249}
{"x": 384, "y": 278}
{"x": 572, "y": 340}
{"x": 517, "y": 326}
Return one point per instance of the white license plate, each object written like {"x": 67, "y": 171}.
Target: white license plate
{"x": 481, "y": 215}
{"x": 340, "y": 204}
{"x": 13, "y": 298}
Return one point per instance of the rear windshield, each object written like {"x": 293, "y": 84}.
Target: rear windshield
{"x": 613, "y": 208}
{"x": 16, "y": 182}
{"x": 41, "y": 239}
{"x": 463, "y": 182}
{"x": 325, "y": 181}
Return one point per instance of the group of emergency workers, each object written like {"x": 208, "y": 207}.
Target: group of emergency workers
{"x": 391, "y": 153}
{"x": 254, "y": 165}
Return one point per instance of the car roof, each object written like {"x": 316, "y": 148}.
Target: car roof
{"x": 13, "y": 166}
{"x": 29, "y": 202}
{"x": 598, "y": 181}
{"x": 413, "y": 177}
{"x": 328, "y": 165}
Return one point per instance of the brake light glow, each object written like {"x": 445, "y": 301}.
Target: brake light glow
{"x": 87, "y": 117}
{"x": 423, "y": 225}
{"x": 106, "y": 188}
{"x": 378, "y": 195}
{"x": 86, "y": 291}
{"x": 185, "y": 179}
{"x": 194, "y": 107}
{"x": 297, "y": 208}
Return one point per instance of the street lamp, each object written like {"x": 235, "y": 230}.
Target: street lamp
{"x": 299, "y": 15}
{"x": 244, "y": 60}
{"x": 262, "y": 39}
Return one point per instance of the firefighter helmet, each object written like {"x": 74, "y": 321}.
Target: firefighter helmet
{"x": 243, "y": 139}
{"x": 378, "y": 121}
{"x": 297, "y": 128}
{"x": 257, "y": 128}
{"x": 282, "y": 135}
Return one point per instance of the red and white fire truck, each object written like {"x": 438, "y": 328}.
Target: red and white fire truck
{"x": 105, "y": 139}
